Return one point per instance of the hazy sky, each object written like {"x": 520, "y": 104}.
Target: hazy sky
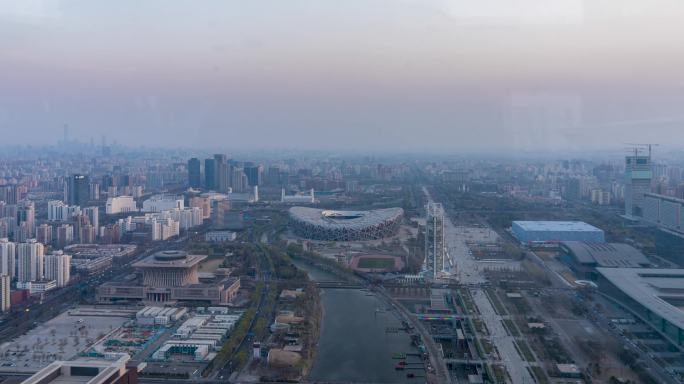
{"x": 363, "y": 74}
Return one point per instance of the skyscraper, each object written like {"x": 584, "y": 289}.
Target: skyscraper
{"x": 194, "y": 173}
{"x": 57, "y": 267}
{"x": 4, "y": 293}
{"x": 434, "y": 238}
{"x": 210, "y": 174}
{"x": 638, "y": 174}
{"x": 254, "y": 174}
{"x": 77, "y": 190}
{"x": 272, "y": 175}
{"x": 221, "y": 173}
{"x": 7, "y": 257}
{"x": 30, "y": 257}
{"x": 238, "y": 180}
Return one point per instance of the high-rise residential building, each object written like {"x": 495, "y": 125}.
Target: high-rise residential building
{"x": 238, "y": 180}
{"x": 26, "y": 218}
{"x": 77, "y": 190}
{"x": 44, "y": 233}
{"x": 65, "y": 235}
{"x": 23, "y": 232}
{"x": 194, "y": 173}
{"x": 111, "y": 234}
{"x": 5, "y": 227}
{"x": 30, "y": 263}
{"x": 203, "y": 203}
{"x": 10, "y": 194}
{"x": 54, "y": 210}
{"x": 57, "y": 267}
{"x": 219, "y": 211}
{"x": 59, "y": 211}
{"x": 94, "y": 191}
{"x": 93, "y": 214}
{"x": 87, "y": 234}
{"x": 435, "y": 248}
{"x": 7, "y": 257}
{"x": 210, "y": 174}
{"x": 638, "y": 175}
{"x": 5, "y": 292}
{"x": 254, "y": 174}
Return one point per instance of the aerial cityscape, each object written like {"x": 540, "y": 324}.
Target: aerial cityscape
{"x": 433, "y": 191}
{"x": 182, "y": 266}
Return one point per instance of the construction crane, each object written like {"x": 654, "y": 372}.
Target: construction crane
{"x": 640, "y": 147}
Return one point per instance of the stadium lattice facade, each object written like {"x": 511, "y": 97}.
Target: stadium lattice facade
{"x": 318, "y": 224}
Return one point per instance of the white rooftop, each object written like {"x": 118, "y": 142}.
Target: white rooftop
{"x": 344, "y": 219}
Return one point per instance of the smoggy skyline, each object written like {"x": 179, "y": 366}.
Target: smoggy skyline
{"x": 406, "y": 74}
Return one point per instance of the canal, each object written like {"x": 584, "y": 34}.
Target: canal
{"x": 358, "y": 337}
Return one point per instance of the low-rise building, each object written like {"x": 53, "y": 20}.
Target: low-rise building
{"x": 159, "y": 315}
{"x": 556, "y": 231}
{"x": 199, "y": 335}
{"x": 584, "y": 257}
{"x": 120, "y": 204}
{"x": 220, "y": 236}
{"x": 297, "y": 198}
{"x": 35, "y": 287}
{"x": 115, "y": 370}
{"x": 655, "y": 295}
{"x": 168, "y": 277}
{"x": 158, "y": 203}
{"x": 92, "y": 266}
{"x": 94, "y": 251}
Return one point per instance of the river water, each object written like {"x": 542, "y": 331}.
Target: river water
{"x": 354, "y": 344}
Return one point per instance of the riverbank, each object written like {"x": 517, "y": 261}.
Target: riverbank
{"x": 358, "y": 335}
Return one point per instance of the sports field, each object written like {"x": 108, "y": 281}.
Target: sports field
{"x": 376, "y": 263}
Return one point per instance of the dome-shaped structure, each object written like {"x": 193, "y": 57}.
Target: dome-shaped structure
{"x": 335, "y": 225}
{"x": 170, "y": 255}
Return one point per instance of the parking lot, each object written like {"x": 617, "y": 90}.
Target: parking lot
{"x": 60, "y": 338}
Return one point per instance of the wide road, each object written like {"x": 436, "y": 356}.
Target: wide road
{"x": 263, "y": 274}
{"x": 470, "y": 273}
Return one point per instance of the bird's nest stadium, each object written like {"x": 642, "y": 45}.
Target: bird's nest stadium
{"x": 318, "y": 224}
